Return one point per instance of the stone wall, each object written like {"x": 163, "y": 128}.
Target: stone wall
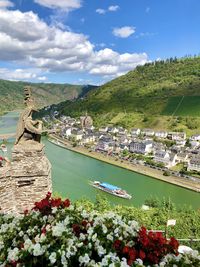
{"x": 6, "y": 190}
{"x": 27, "y": 180}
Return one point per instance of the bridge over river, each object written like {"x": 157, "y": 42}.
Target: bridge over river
{"x": 7, "y": 136}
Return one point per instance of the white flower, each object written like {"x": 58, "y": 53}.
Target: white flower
{"x": 4, "y": 228}
{"x": 124, "y": 263}
{"x": 66, "y": 221}
{"x": 139, "y": 262}
{"x": 80, "y": 244}
{"x": 104, "y": 228}
{"x": 52, "y": 257}
{"x": 58, "y": 229}
{"x": 43, "y": 237}
{"x": 71, "y": 207}
{"x": 48, "y": 227}
{"x": 54, "y": 210}
{"x": 64, "y": 260}
{"x": 37, "y": 250}
{"x": 80, "y": 208}
{"x": 110, "y": 237}
{"x": 101, "y": 251}
{"x": 104, "y": 261}
{"x": 13, "y": 254}
{"x": 1, "y": 245}
{"x": 84, "y": 259}
{"x": 82, "y": 236}
{"x": 94, "y": 237}
{"x": 90, "y": 231}
{"x": 21, "y": 233}
{"x": 27, "y": 244}
{"x": 84, "y": 214}
{"x": 116, "y": 231}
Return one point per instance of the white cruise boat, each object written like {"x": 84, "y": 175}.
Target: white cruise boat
{"x": 112, "y": 189}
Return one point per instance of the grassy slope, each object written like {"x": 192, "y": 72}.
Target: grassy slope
{"x": 141, "y": 97}
{"x": 44, "y": 94}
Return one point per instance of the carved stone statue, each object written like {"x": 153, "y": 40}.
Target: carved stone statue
{"x": 27, "y": 128}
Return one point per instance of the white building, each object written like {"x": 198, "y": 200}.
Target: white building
{"x": 161, "y": 134}
{"x": 195, "y": 137}
{"x": 177, "y": 136}
{"x": 194, "y": 164}
{"x": 141, "y": 147}
{"x": 147, "y": 132}
{"x": 68, "y": 131}
{"x": 77, "y": 134}
{"x": 168, "y": 159}
{"x": 135, "y": 131}
{"x": 103, "y": 129}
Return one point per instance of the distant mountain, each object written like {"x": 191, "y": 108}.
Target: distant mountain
{"x": 160, "y": 95}
{"x": 12, "y": 94}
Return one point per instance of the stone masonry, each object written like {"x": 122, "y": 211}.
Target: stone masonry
{"x": 26, "y": 180}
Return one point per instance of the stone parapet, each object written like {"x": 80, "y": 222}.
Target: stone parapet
{"x": 6, "y": 190}
{"x": 27, "y": 180}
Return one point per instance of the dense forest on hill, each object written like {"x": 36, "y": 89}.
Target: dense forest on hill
{"x": 161, "y": 94}
{"x": 12, "y": 93}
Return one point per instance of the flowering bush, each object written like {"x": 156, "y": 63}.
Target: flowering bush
{"x": 56, "y": 233}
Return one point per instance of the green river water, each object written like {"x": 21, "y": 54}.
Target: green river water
{"x": 72, "y": 171}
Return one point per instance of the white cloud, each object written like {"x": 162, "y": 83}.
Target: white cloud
{"x": 108, "y": 62}
{"x": 21, "y": 75}
{"x": 6, "y": 4}
{"x": 123, "y": 32}
{"x": 55, "y": 49}
{"x": 145, "y": 35}
{"x": 113, "y": 8}
{"x": 100, "y": 11}
{"x": 60, "y": 4}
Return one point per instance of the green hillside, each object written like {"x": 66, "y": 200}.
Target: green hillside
{"x": 45, "y": 94}
{"x": 147, "y": 97}
{"x": 183, "y": 106}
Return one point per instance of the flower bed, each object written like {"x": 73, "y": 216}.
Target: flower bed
{"x": 56, "y": 233}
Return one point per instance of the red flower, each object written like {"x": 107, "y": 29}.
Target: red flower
{"x": 125, "y": 250}
{"x": 43, "y": 231}
{"x": 152, "y": 246}
{"x": 76, "y": 229}
{"x": 66, "y": 203}
{"x": 142, "y": 254}
{"x": 117, "y": 244}
{"x": 132, "y": 254}
{"x": 84, "y": 223}
{"x": 14, "y": 263}
{"x": 48, "y": 195}
{"x": 56, "y": 202}
{"x": 173, "y": 243}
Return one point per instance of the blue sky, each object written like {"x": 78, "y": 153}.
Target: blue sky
{"x": 92, "y": 41}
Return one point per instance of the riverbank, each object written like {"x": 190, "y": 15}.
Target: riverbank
{"x": 153, "y": 173}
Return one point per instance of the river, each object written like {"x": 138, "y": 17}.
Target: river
{"x": 71, "y": 172}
